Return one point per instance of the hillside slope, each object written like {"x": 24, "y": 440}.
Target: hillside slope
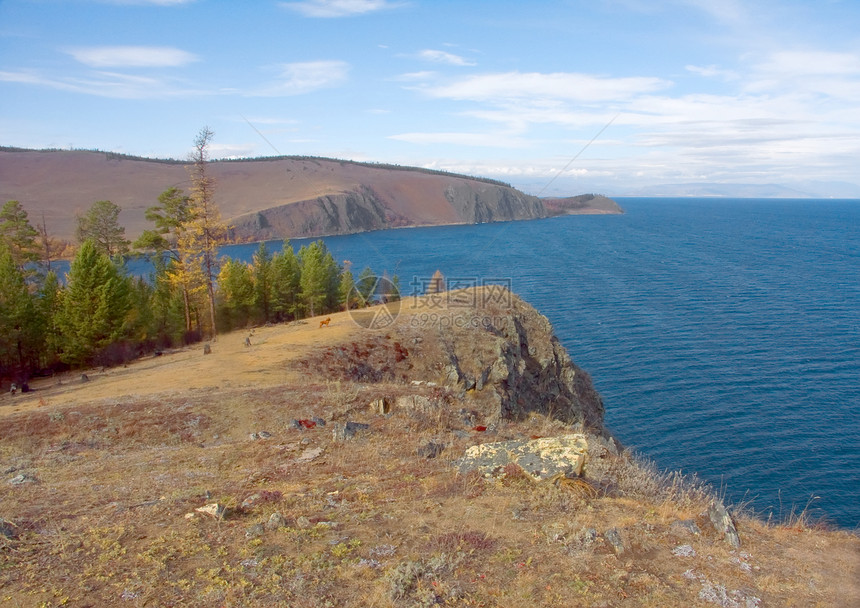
{"x": 338, "y": 466}
{"x": 261, "y": 199}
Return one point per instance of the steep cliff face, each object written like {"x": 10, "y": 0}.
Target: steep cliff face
{"x": 449, "y": 201}
{"x": 345, "y": 213}
{"x": 478, "y": 203}
{"x": 496, "y": 354}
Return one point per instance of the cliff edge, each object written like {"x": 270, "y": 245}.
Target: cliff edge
{"x": 440, "y": 450}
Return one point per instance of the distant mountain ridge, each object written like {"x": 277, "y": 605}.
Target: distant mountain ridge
{"x": 270, "y": 197}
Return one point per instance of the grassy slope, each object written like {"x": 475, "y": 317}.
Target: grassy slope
{"x": 121, "y": 459}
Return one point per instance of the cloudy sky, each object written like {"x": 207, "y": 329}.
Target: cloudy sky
{"x": 555, "y": 97}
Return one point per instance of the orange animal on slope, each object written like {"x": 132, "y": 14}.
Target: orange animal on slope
{"x": 326, "y": 322}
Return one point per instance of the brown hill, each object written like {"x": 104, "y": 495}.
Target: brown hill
{"x": 263, "y": 198}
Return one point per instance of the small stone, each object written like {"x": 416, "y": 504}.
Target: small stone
{"x": 213, "y": 509}
{"x": 431, "y": 450}
{"x": 207, "y": 349}
{"x": 84, "y": 378}
{"x": 253, "y": 436}
{"x": 684, "y": 551}
{"x": 381, "y": 406}
{"x": 319, "y": 421}
{"x": 687, "y": 526}
{"x": 613, "y": 537}
{"x": 276, "y": 521}
{"x": 8, "y": 529}
{"x": 22, "y": 479}
{"x": 264, "y": 434}
{"x": 724, "y": 524}
{"x": 254, "y": 531}
{"x": 309, "y": 454}
{"x": 303, "y": 523}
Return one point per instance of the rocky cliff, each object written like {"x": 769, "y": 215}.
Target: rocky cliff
{"x": 497, "y": 354}
{"x": 266, "y": 198}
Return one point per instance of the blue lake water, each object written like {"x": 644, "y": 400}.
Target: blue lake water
{"x": 724, "y": 335}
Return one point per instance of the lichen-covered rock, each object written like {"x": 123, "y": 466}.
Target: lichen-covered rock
{"x": 542, "y": 458}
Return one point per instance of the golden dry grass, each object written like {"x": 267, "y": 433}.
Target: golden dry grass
{"x": 120, "y": 461}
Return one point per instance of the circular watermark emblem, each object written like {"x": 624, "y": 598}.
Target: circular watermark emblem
{"x": 374, "y": 302}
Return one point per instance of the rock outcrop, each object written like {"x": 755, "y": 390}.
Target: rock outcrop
{"x": 485, "y": 345}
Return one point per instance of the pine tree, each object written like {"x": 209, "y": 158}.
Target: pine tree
{"x": 319, "y": 278}
{"x": 50, "y": 294}
{"x": 101, "y": 224}
{"x": 236, "y": 294}
{"x": 18, "y": 235}
{"x": 286, "y": 284}
{"x": 262, "y": 270}
{"x": 20, "y": 335}
{"x": 95, "y": 305}
{"x": 171, "y": 216}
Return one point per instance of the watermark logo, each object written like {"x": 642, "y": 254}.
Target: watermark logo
{"x": 374, "y": 302}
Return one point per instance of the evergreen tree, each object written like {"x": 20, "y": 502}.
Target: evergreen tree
{"x": 366, "y": 285}
{"x": 18, "y": 235}
{"x": 236, "y": 294}
{"x": 319, "y": 279}
{"x": 347, "y": 291}
{"x": 95, "y": 305}
{"x": 50, "y": 294}
{"x": 286, "y": 284}
{"x": 20, "y": 335}
{"x": 101, "y": 224}
{"x": 179, "y": 265}
{"x": 263, "y": 288}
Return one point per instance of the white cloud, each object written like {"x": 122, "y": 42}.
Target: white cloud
{"x": 132, "y": 56}
{"x": 337, "y": 8}
{"x": 535, "y": 86}
{"x": 105, "y": 84}
{"x": 305, "y": 77}
{"x": 415, "y": 76}
{"x": 805, "y": 63}
{"x": 493, "y": 140}
{"x": 443, "y": 57}
{"x": 712, "y": 71}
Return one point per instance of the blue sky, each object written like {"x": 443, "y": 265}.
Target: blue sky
{"x": 670, "y": 91}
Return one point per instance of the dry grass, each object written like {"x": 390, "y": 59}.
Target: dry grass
{"x": 367, "y": 522}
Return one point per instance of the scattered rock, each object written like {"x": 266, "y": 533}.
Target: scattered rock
{"x": 431, "y": 450}
{"x": 687, "y": 526}
{"x": 684, "y": 551}
{"x": 22, "y": 479}
{"x": 724, "y": 524}
{"x": 319, "y": 421}
{"x": 348, "y": 430}
{"x": 381, "y": 406}
{"x": 310, "y": 454}
{"x": 303, "y": 523}
{"x": 542, "y": 458}
{"x": 276, "y": 521}
{"x": 258, "y": 498}
{"x": 84, "y": 378}
{"x": 613, "y": 537}
{"x": 8, "y": 529}
{"x": 264, "y": 435}
{"x": 255, "y": 531}
{"x": 207, "y": 349}
{"x": 213, "y": 509}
